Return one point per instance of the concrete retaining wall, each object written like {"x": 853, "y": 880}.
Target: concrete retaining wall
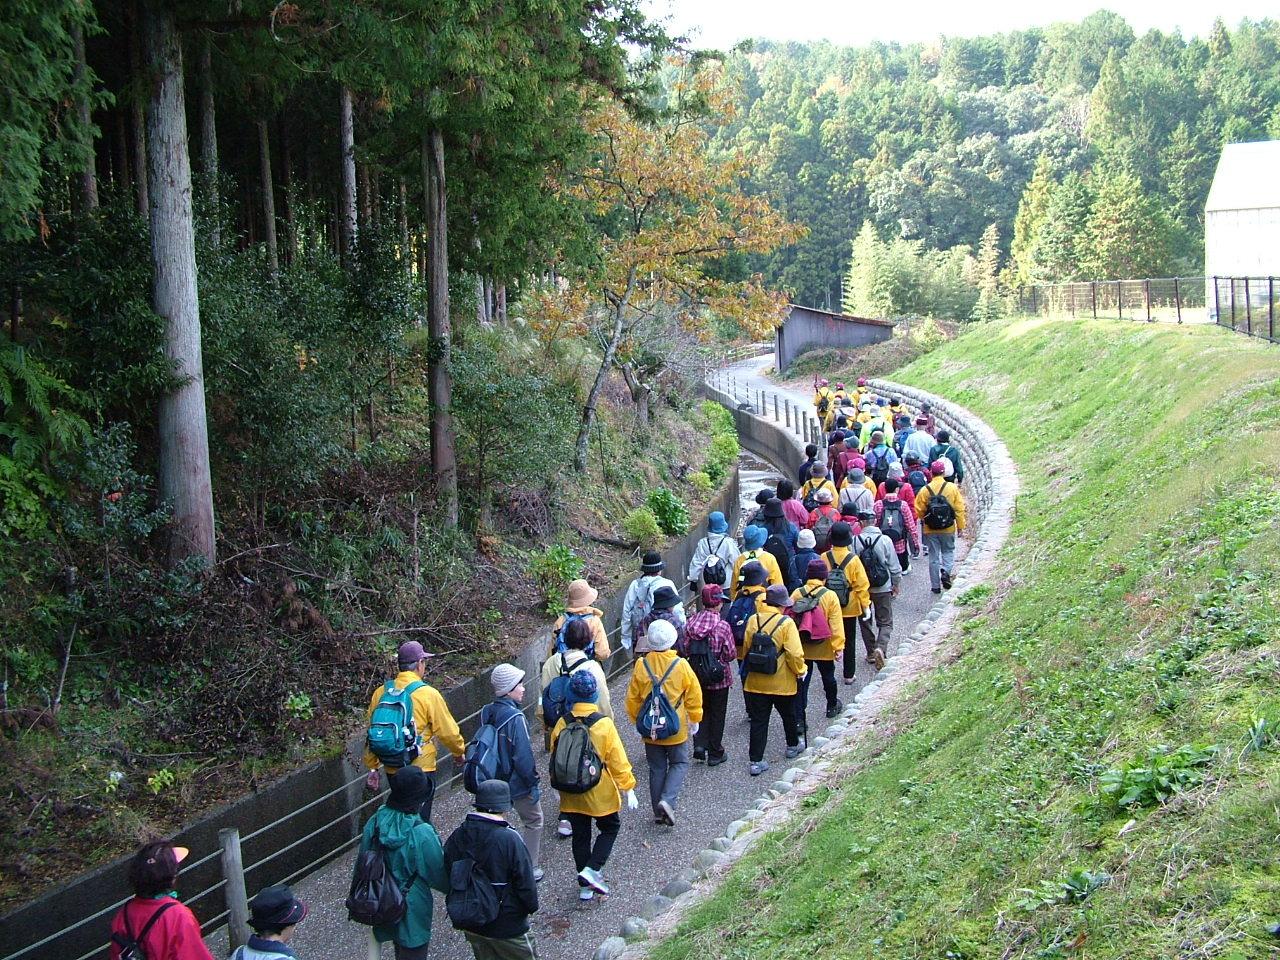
{"x": 95, "y": 891}
{"x": 810, "y": 329}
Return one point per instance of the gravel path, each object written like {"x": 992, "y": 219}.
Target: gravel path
{"x": 646, "y": 855}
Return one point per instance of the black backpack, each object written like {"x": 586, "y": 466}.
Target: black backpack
{"x": 939, "y": 514}
{"x": 738, "y": 614}
{"x": 837, "y": 580}
{"x": 810, "y": 500}
{"x": 714, "y": 569}
{"x": 706, "y": 667}
{"x": 891, "y": 523}
{"x": 776, "y": 547}
{"x": 877, "y": 571}
{"x": 131, "y": 947}
{"x": 575, "y": 765}
{"x": 824, "y": 404}
{"x": 375, "y": 899}
{"x": 473, "y": 902}
{"x": 880, "y": 468}
{"x": 763, "y": 655}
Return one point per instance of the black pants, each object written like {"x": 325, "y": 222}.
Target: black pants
{"x": 586, "y": 854}
{"x": 710, "y": 735}
{"x": 827, "y": 670}
{"x": 851, "y": 629}
{"x": 759, "y": 708}
{"x": 904, "y": 560}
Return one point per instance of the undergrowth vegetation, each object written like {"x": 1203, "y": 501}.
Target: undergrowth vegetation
{"x": 1092, "y": 769}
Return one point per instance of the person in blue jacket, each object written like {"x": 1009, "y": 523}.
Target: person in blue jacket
{"x": 515, "y": 755}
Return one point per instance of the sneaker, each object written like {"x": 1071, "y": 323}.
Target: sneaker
{"x": 668, "y": 813}
{"x": 793, "y": 752}
{"x": 714, "y": 760}
{"x": 937, "y": 589}
{"x": 586, "y": 893}
{"x": 835, "y": 709}
{"x": 759, "y": 768}
{"x": 538, "y": 874}
{"x": 699, "y": 756}
{"x": 850, "y": 681}
{"x": 878, "y": 655}
{"x": 946, "y": 580}
{"x": 564, "y": 829}
{"x": 871, "y": 658}
{"x": 593, "y": 880}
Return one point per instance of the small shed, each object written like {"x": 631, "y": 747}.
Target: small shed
{"x": 808, "y": 328}
{"x": 1242, "y": 214}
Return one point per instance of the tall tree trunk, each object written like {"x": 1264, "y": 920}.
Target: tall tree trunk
{"x": 640, "y": 392}
{"x": 347, "y": 194}
{"x": 365, "y": 194}
{"x": 500, "y": 300}
{"x": 209, "y": 139}
{"x": 610, "y": 351}
{"x": 406, "y": 254}
{"x": 287, "y": 193}
{"x": 87, "y": 178}
{"x": 444, "y": 460}
{"x": 137, "y": 115}
{"x": 120, "y": 143}
{"x": 268, "y": 198}
{"x": 184, "y": 439}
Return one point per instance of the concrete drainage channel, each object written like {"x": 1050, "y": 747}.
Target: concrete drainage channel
{"x": 992, "y": 488}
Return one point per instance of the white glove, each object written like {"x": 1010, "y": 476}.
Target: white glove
{"x": 632, "y": 802}
{"x": 693, "y": 728}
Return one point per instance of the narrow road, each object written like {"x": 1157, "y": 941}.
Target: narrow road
{"x": 646, "y": 855}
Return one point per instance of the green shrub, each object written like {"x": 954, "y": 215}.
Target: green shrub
{"x": 642, "y": 526}
{"x": 701, "y": 483}
{"x": 552, "y": 569}
{"x": 1158, "y": 777}
{"x": 669, "y": 510}
{"x": 719, "y": 419}
{"x": 721, "y": 453}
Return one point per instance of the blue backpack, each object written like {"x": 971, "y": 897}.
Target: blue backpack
{"x": 483, "y": 759}
{"x": 658, "y": 718}
{"x": 393, "y": 735}
{"x": 738, "y": 614}
{"x": 561, "y": 647}
{"x": 555, "y": 698}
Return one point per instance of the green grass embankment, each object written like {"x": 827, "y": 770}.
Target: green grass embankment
{"x": 1134, "y": 614}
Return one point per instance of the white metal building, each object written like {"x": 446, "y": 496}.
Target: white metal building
{"x": 1242, "y": 214}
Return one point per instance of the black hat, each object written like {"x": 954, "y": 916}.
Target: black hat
{"x": 754, "y": 574}
{"x": 763, "y": 496}
{"x": 664, "y": 598}
{"x": 410, "y": 789}
{"x": 773, "y": 507}
{"x": 651, "y": 562}
{"x": 275, "y": 908}
{"x": 841, "y": 534}
{"x": 493, "y": 796}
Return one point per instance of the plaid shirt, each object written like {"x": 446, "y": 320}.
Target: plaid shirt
{"x": 708, "y": 623}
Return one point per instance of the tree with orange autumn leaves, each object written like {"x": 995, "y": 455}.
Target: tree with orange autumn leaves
{"x": 665, "y": 212}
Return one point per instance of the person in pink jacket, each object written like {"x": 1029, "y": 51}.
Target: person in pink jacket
{"x": 905, "y": 536}
{"x": 155, "y": 919}
{"x": 792, "y": 508}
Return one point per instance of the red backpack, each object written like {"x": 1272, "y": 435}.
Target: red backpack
{"x": 810, "y": 620}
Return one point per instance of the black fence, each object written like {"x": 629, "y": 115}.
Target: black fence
{"x": 1245, "y": 304}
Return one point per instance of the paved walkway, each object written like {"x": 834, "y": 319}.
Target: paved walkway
{"x": 646, "y": 855}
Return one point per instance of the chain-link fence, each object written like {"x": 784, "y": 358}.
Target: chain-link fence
{"x": 1245, "y": 304}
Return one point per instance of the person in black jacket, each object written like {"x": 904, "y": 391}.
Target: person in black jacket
{"x": 499, "y": 851}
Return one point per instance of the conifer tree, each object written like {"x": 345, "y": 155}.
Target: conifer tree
{"x": 1031, "y": 215}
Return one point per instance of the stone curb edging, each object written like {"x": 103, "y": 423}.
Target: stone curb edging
{"x": 991, "y": 485}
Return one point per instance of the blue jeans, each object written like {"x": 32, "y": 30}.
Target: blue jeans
{"x": 942, "y": 556}
{"x": 668, "y": 766}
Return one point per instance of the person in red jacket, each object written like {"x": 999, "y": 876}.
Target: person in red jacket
{"x": 905, "y": 535}
{"x": 154, "y": 919}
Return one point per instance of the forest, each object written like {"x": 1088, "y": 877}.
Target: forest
{"x": 1088, "y": 148}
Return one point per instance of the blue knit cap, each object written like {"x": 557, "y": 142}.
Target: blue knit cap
{"x": 582, "y": 687}
{"x": 716, "y": 522}
{"x": 753, "y": 537}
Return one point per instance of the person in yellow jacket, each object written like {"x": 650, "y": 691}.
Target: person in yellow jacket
{"x": 819, "y": 654}
{"x": 817, "y": 481}
{"x": 668, "y": 757}
{"x": 753, "y": 551}
{"x": 822, "y": 391}
{"x": 765, "y": 692}
{"x": 940, "y": 538}
{"x": 750, "y": 600}
{"x": 842, "y": 556}
{"x": 602, "y": 802}
{"x": 431, "y": 719}
{"x": 579, "y": 598}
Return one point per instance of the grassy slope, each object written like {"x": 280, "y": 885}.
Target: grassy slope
{"x": 1139, "y": 607}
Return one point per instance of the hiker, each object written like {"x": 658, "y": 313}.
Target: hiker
{"x": 902, "y": 430}
{"x": 514, "y": 761}
{"x": 916, "y": 479}
{"x": 820, "y": 622}
{"x": 857, "y": 493}
{"x": 554, "y": 702}
{"x": 859, "y": 392}
{"x": 486, "y": 850}
{"x": 822, "y": 396}
{"x": 639, "y": 597}
{"x": 897, "y": 410}
{"x": 412, "y": 855}
{"x": 817, "y": 481}
{"x": 896, "y": 518}
{"x": 274, "y": 914}
{"x": 710, "y": 650}
{"x": 930, "y": 422}
{"x": 878, "y": 457}
{"x": 835, "y": 458}
{"x": 920, "y": 442}
{"x": 664, "y": 701}
{"x": 820, "y": 521}
{"x": 400, "y": 734}
{"x": 780, "y": 536}
{"x": 884, "y": 574}
{"x": 940, "y": 506}
{"x": 580, "y": 598}
{"x": 753, "y": 539}
{"x": 762, "y": 497}
{"x": 154, "y": 919}
{"x": 792, "y": 508}
{"x": 806, "y": 550}
{"x": 896, "y": 472}
{"x": 714, "y": 556}
{"x": 945, "y": 449}
{"x": 850, "y": 586}
{"x": 876, "y": 420}
{"x": 772, "y": 663}
{"x": 598, "y": 802}
{"x": 666, "y": 603}
{"x": 811, "y": 457}
{"x": 749, "y": 600}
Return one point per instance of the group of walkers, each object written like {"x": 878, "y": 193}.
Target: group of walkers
{"x": 820, "y": 563}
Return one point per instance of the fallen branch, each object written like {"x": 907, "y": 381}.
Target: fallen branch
{"x": 611, "y": 541}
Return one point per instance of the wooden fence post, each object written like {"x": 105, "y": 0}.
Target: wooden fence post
{"x": 1093, "y": 287}
{"x": 1146, "y": 286}
{"x": 237, "y": 899}
{"x": 786, "y": 401}
{"x": 1177, "y": 298}
{"x": 1217, "y": 304}
{"x": 775, "y": 408}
